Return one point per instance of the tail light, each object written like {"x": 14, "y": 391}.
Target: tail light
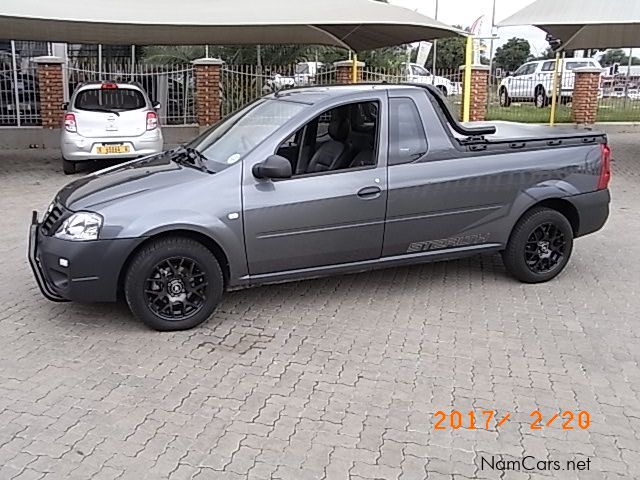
{"x": 152, "y": 120}
{"x": 109, "y": 86}
{"x": 70, "y": 123}
{"x": 605, "y": 167}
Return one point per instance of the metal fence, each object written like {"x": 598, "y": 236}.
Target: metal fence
{"x": 527, "y": 98}
{"x": 241, "y": 84}
{"x": 19, "y": 95}
{"x": 171, "y": 85}
{"x": 522, "y": 99}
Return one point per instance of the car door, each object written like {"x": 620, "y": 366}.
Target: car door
{"x": 438, "y": 199}
{"x": 518, "y": 82}
{"x": 313, "y": 220}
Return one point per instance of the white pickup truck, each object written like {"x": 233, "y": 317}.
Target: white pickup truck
{"x": 305, "y": 75}
{"x": 414, "y": 73}
{"x": 532, "y": 82}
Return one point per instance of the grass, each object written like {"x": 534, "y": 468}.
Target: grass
{"x": 610, "y": 110}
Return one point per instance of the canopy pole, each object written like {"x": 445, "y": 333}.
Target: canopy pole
{"x": 466, "y": 101}
{"x": 354, "y": 68}
{"x": 554, "y": 91}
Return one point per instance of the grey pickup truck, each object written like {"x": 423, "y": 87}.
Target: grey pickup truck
{"x": 319, "y": 181}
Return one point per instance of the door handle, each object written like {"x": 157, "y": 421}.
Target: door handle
{"x": 369, "y": 192}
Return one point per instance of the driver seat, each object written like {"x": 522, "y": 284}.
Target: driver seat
{"x": 334, "y": 154}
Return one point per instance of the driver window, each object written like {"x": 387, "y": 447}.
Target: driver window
{"x": 520, "y": 71}
{"x": 417, "y": 70}
{"x": 340, "y": 139}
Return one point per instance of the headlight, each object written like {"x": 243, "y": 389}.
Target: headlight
{"x": 80, "y": 226}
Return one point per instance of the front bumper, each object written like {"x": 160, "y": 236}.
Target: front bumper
{"x": 93, "y": 268}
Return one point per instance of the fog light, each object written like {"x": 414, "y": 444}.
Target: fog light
{"x": 63, "y": 262}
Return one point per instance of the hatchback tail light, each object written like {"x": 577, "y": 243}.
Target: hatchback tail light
{"x": 70, "y": 123}
{"x": 605, "y": 167}
{"x": 152, "y": 120}
{"x": 109, "y": 86}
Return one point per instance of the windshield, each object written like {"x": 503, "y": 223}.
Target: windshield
{"x": 228, "y": 141}
{"x": 574, "y": 65}
{"x": 117, "y": 99}
{"x": 302, "y": 68}
{"x": 418, "y": 70}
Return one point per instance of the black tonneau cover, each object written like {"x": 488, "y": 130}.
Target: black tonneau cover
{"x": 510, "y": 135}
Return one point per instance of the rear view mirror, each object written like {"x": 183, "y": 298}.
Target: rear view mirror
{"x": 274, "y": 166}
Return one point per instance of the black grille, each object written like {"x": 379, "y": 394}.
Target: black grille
{"x": 52, "y": 220}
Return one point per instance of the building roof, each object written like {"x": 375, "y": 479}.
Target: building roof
{"x": 354, "y": 24}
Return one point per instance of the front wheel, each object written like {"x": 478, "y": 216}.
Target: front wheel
{"x": 505, "y": 101}
{"x": 541, "y": 98}
{"x": 539, "y": 247}
{"x": 173, "y": 283}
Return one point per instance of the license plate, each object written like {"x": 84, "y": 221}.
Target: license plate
{"x": 108, "y": 149}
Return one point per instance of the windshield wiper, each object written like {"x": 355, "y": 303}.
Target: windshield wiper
{"x": 191, "y": 157}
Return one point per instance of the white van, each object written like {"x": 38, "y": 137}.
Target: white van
{"x": 532, "y": 82}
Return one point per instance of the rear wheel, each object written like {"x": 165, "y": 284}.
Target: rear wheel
{"x": 539, "y": 247}
{"x": 173, "y": 283}
{"x": 505, "y": 101}
{"x": 443, "y": 89}
{"x": 68, "y": 167}
{"x": 541, "y": 98}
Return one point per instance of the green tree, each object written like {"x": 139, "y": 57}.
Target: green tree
{"x": 449, "y": 53}
{"x": 172, "y": 54}
{"x": 512, "y": 54}
{"x": 617, "y": 55}
{"x": 547, "y": 54}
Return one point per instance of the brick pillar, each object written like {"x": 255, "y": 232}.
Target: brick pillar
{"x": 208, "y": 90}
{"x": 344, "y": 71}
{"x": 584, "y": 104}
{"x": 479, "y": 92}
{"x": 51, "y": 88}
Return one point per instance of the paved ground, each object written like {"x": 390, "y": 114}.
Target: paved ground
{"x": 335, "y": 378}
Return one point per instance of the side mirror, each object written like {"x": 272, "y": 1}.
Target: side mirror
{"x": 156, "y": 105}
{"x": 274, "y": 166}
{"x": 64, "y": 106}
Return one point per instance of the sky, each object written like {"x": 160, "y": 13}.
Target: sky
{"x": 465, "y": 12}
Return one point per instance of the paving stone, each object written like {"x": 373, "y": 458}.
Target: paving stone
{"x": 335, "y": 378}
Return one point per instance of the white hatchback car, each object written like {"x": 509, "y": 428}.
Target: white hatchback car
{"x": 109, "y": 120}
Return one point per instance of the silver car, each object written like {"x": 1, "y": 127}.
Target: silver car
{"x": 109, "y": 120}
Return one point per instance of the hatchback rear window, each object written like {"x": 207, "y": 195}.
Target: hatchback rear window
{"x": 117, "y": 99}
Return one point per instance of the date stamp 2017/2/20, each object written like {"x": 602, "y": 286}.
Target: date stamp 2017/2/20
{"x": 490, "y": 419}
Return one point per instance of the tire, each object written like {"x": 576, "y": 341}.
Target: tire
{"x": 541, "y": 99}
{"x": 505, "y": 101}
{"x": 178, "y": 266}
{"x": 443, "y": 90}
{"x": 68, "y": 167}
{"x": 532, "y": 258}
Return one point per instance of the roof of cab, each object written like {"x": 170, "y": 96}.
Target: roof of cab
{"x": 316, "y": 94}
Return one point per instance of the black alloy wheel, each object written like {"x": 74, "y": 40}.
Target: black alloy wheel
{"x": 176, "y": 289}
{"x": 173, "y": 283}
{"x": 540, "y": 245}
{"x": 545, "y": 248}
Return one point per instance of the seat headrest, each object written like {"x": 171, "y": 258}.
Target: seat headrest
{"x": 339, "y": 127}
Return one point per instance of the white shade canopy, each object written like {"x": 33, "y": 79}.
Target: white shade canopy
{"x": 354, "y": 24}
{"x": 584, "y": 24}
